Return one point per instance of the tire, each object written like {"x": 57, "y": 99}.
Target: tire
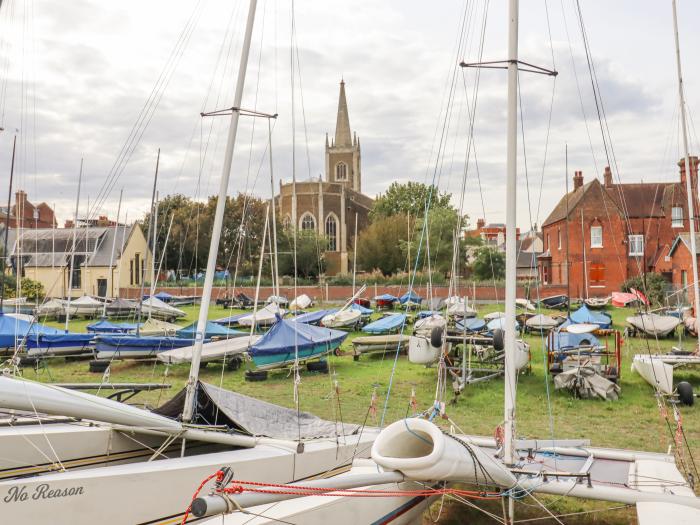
{"x": 338, "y": 352}
{"x": 203, "y": 364}
{"x": 98, "y": 366}
{"x": 27, "y": 362}
{"x": 317, "y": 366}
{"x": 356, "y": 357}
{"x": 499, "y": 339}
{"x": 234, "y": 363}
{"x": 436, "y": 337}
{"x": 255, "y": 375}
{"x": 685, "y": 393}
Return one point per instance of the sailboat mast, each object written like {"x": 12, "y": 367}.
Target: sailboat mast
{"x": 5, "y": 256}
{"x": 154, "y": 238}
{"x": 72, "y": 251}
{"x": 111, "y": 255}
{"x": 139, "y": 271}
{"x": 511, "y": 188}
{"x": 274, "y": 218}
{"x": 188, "y": 410}
{"x": 688, "y": 170}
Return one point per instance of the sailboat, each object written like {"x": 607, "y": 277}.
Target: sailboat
{"x": 416, "y": 451}
{"x": 162, "y": 456}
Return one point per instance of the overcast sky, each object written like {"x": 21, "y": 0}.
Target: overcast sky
{"x": 77, "y": 75}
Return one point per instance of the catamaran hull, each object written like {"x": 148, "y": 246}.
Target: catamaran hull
{"x": 158, "y": 492}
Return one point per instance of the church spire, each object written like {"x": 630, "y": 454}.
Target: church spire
{"x": 342, "y": 124}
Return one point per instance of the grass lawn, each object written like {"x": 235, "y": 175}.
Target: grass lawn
{"x": 632, "y": 422}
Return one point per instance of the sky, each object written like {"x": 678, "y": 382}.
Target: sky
{"x": 113, "y": 82}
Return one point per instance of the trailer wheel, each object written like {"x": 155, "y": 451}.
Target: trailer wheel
{"x": 499, "y": 339}
{"x": 436, "y": 337}
{"x": 317, "y": 366}
{"x": 234, "y": 363}
{"x": 255, "y": 375}
{"x": 685, "y": 393}
{"x": 98, "y": 366}
{"x": 338, "y": 352}
{"x": 356, "y": 357}
{"x": 203, "y": 364}
{"x": 26, "y": 361}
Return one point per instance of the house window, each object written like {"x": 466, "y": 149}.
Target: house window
{"x": 596, "y": 273}
{"x": 548, "y": 245}
{"x": 341, "y": 171}
{"x": 596, "y": 236}
{"x": 77, "y": 273}
{"x": 559, "y": 238}
{"x": 545, "y": 274}
{"x": 131, "y": 272}
{"x": 137, "y": 265}
{"x": 332, "y": 233}
{"x": 636, "y": 245}
{"x": 308, "y": 222}
{"x": 676, "y": 217}
{"x": 684, "y": 279}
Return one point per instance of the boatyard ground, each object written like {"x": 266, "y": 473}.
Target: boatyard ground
{"x": 632, "y": 422}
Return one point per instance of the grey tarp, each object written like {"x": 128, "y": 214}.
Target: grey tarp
{"x": 251, "y": 416}
{"x": 587, "y": 383}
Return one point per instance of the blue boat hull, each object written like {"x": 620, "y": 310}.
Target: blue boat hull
{"x": 286, "y": 357}
{"x": 62, "y": 344}
{"x": 130, "y": 347}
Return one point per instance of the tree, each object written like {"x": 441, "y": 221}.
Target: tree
{"x": 651, "y": 284}
{"x": 310, "y": 250}
{"x": 489, "y": 264}
{"x": 437, "y": 240}
{"x": 32, "y": 289}
{"x": 379, "y": 245}
{"x": 410, "y": 197}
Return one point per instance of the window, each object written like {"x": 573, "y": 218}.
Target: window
{"x": 332, "y": 233}
{"x": 545, "y": 274}
{"x": 596, "y": 273}
{"x": 559, "y": 238}
{"x": 308, "y": 222}
{"x": 596, "y": 236}
{"x": 131, "y": 272}
{"x": 676, "y": 217}
{"x": 286, "y": 222}
{"x": 684, "y": 278}
{"x": 636, "y": 245}
{"x": 341, "y": 171}
{"x": 548, "y": 245}
{"x": 138, "y": 266}
{"x": 76, "y": 282}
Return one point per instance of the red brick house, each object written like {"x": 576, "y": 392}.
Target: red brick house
{"x": 492, "y": 233}
{"x": 615, "y": 231}
{"x": 24, "y": 214}
{"x": 678, "y": 264}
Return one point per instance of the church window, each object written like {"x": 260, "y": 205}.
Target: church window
{"x": 332, "y": 233}
{"x": 308, "y": 222}
{"x": 341, "y": 171}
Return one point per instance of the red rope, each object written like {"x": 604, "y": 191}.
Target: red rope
{"x": 218, "y": 475}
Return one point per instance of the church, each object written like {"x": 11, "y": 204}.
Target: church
{"x": 333, "y": 206}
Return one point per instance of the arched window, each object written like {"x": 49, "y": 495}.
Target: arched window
{"x": 341, "y": 171}
{"x": 287, "y": 222}
{"x": 332, "y": 232}
{"x": 308, "y": 222}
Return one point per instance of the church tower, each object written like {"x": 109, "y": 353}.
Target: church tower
{"x": 343, "y": 161}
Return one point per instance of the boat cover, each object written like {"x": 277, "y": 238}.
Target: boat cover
{"x": 586, "y": 383}
{"x": 386, "y": 324}
{"x": 361, "y": 309}
{"x": 120, "y": 304}
{"x": 286, "y": 334}
{"x": 103, "y": 326}
{"x": 386, "y": 297}
{"x": 264, "y": 316}
{"x": 500, "y": 323}
{"x": 621, "y": 299}
{"x": 212, "y": 330}
{"x": 231, "y": 319}
{"x": 410, "y": 296}
{"x": 132, "y": 341}
{"x": 587, "y": 316}
{"x": 85, "y": 300}
{"x": 212, "y": 351}
{"x": 253, "y": 417}
{"x": 314, "y": 317}
{"x": 566, "y": 340}
{"x": 472, "y": 324}
{"x": 437, "y": 303}
{"x": 163, "y": 296}
{"x": 541, "y": 322}
{"x": 301, "y": 302}
{"x": 157, "y": 327}
{"x": 157, "y": 306}
{"x": 13, "y": 329}
{"x": 654, "y": 324}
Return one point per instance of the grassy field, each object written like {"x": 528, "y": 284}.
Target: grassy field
{"x": 631, "y": 422}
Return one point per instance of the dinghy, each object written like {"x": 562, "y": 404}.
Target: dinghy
{"x": 525, "y": 304}
{"x": 386, "y": 301}
{"x": 458, "y": 308}
{"x": 59, "y": 343}
{"x": 421, "y": 351}
{"x": 385, "y": 325}
{"x": 120, "y": 308}
{"x": 279, "y": 300}
{"x": 493, "y": 315}
{"x": 554, "y": 301}
{"x": 213, "y": 330}
{"x": 653, "y": 324}
{"x": 541, "y": 323}
{"x": 212, "y": 351}
{"x": 288, "y": 340}
{"x": 364, "y": 311}
{"x": 85, "y": 306}
{"x": 499, "y": 323}
{"x": 622, "y": 299}
{"x": 470, "y": 325}
{"x": 314, "y": 318}
{"x": 584, "y": 315}
{"x": 154, "y": 307}
{"x": 410, "y": 298}
{"x": 264, "y": 317}
{"x": 14, "y": 331}
{"x": 51, "y": 309}
{"x": 424, "y": 326}
{"x": 231, "y": 320}
{"x": 301, "y": 303}
{"x": 350, "y": 318}
{"x": 156, "y": 327}
{"x": 597, "y": 303}
{"x": 103, "y": 326}
{"x": 135, "y": 347}
{"x": 368, "y": 344}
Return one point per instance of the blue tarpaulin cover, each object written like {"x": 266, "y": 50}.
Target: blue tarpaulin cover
{"x": 313, "y": 317}
{"x": 410, "y": 296}
{"x": 212, "y": 330}
{"x": 584, "y": 315}
{"x": 13, "y": 329}
{"x": 500, "y": 322}
{"x": 104, "y": 326}
{"x": 231, "y": 319}
{"x": 386, "y": 297}
{"x": 566, "y": 340}
{"x": 472, "y": 324}
{"x": 361, "y": 309}
{"x": 286, "y": 335}
{"x": 386, "y": 324}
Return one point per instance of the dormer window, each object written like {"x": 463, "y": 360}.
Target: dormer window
{"x": 341, "y": 172}
{"x": 677, "y": 217}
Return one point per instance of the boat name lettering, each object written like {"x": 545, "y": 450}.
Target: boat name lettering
{"x": 43, "y": 491}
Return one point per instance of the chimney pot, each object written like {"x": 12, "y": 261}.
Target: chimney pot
{"x": 578, "y": 180}
{"x": 607, "y": 177}
{"x": 693, "y": 171}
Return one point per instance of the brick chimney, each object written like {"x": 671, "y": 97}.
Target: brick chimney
{"x": 607, "y": 177}
{"x": 480, "y": 223}
{"x": 693, "y": 171}
{"x": 578, "y": 180}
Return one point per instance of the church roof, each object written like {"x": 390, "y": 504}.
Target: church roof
{"x": 343, "y": 137}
